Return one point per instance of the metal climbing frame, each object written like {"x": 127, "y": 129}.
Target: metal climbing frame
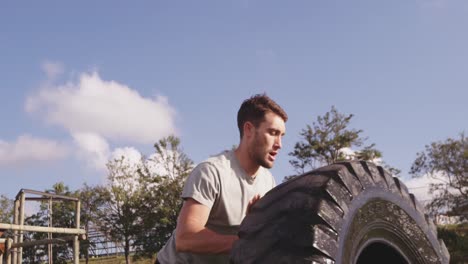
{"x": 14, "y": 248}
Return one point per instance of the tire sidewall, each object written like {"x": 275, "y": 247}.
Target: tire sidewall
{"x": 356, "y": 233}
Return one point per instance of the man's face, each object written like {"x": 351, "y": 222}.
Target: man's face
{"x": 266, "y": 140}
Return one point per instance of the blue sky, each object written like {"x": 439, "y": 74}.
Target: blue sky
{"x": 82, "y": 79}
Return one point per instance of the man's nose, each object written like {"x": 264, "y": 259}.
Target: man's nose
{"x": 278, "y": 143}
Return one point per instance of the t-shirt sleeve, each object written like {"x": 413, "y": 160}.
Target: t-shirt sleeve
{"x": 202, "y": 184}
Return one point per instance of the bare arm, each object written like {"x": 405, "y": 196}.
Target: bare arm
{"x": 192, "y": 235}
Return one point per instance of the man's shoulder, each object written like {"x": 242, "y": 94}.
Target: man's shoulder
{"x": 214, "y": 165}
{"x": 220, "y": 159}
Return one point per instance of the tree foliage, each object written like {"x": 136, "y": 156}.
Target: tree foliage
{"x": 162, "y": 182}
{"x": 324, "y": 143}
{"x": 456, "y": 239}
{"x": 92, "y": 201}
{"x": 61, "y": 214}
{"x": 36, "y": 254}
{"x": 118, "y": 219}
{"x": 6, "y": 209}
{"x": 143, "y": 199}
{"x": 446, "y": 161}
{"x": 138, "y": 207}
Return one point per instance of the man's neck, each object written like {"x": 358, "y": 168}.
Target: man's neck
{"x": 245, "y": 162}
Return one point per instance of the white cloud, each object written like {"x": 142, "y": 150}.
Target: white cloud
{"x": 132, "y": 157}
{"x": 161, "y": 165}
{"x": 132, "y": 161}
{"x": 52, "y": 69}
{"x": 420, "y": 187}
{"x": 93, "y": 148}
{"x": 349, "y": 153}
{"x": 97, "y": 112}
{"x": 106, "y": 108}
{"x": 28, "y": 149}
{"x": 127, "y": 176}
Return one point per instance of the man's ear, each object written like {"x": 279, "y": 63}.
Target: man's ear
{"x": 249, "y": 129}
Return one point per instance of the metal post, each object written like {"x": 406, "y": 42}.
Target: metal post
{"x": 16, "y": 232}
{"x": 4, "y": 242}
{"x": 21, "y": 223}
{"x": 8, "y": 251}
{"x": 76, "y": 243}
{"x": 49, "y": 235}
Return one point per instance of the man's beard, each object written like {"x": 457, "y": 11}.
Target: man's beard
{"x": 265, "y": 164}
{"x": 259, "y": 157}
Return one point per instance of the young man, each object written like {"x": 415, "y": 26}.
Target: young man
{"x": 220, "y": 191}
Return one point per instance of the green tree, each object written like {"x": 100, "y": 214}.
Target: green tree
{"x": 162, "y": 181}
{"x": 456, "y": 239}
{"x": 118, "y": 216}
{"x": 6, "y": 209}
{"x": 36, "y": 254}
{"x": 92, "y": 201}
{"x": 61, "y": 214}
{"x": 446, "y": 161}
{"x": 323, "y": 142}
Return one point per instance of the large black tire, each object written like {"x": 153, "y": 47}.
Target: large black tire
{"x": 350, "y": 212}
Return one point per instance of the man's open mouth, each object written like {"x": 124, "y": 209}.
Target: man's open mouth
{"x": 272, "y": 155}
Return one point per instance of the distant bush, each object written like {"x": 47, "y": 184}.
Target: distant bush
{"x": 456, "y": 239}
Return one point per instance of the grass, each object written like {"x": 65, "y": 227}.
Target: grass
{"x": 116, "y": 260}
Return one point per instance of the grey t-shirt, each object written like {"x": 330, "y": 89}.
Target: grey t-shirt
{"x": 221, "y": 184}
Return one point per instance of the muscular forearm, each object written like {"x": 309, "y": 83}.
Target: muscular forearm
{"x": 193, "y": 236}
{"x": 204, "y": 241}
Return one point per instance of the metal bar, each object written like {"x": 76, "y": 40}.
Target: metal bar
{"x": 76, "y": 243}
{"x": 43, "y": 229}
{"x": 59, "y": 240}
{"x": 21, "y": 222}
{"x": 76, "y": 250}
{"x": 39, "y": 199}
{"x": 49, "y": 235}
{"x": 15, "y": 233}
{"x": 46, "y": 195}
{"x": 8, "y": 246}
{"x": 19, "y": 194}
{"x": 78, "y": 214}
{"x": 18, "y": 226}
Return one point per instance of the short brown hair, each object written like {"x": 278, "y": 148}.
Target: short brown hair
{"x": 254, "y": 110}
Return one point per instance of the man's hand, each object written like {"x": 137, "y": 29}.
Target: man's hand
{"x": 252, "y": 202}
